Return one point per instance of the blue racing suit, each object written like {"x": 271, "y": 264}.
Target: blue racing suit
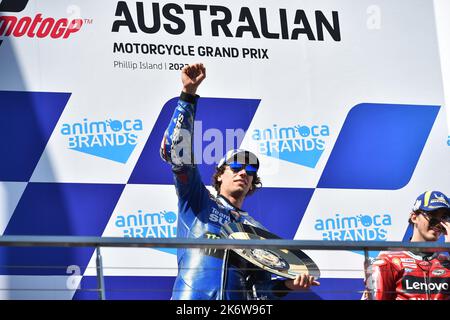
{"x": 207, "y": 273}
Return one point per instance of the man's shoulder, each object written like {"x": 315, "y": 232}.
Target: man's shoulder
{"x": 393, "y": 257}
{"x": 393, "y": 254}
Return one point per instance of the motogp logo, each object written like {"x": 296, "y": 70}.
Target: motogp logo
{"x": 34, "y": 26}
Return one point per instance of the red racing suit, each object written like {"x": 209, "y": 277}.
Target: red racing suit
{"x": 404, "y": 275}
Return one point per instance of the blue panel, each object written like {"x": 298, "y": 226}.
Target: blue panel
{"x": 379, "y": 146}
{"x": 27, "y": 120}
{"x": 214, "y": 113}
{"x": 160, "y": 288}
{"x": 127, "y": 288}
{"x": 280, "y": 210}
{"x": 58, "y": 209}
{"x": 119, "y": 154}
{"x": 13, "y": 5}
{"x": 331, "y": 289}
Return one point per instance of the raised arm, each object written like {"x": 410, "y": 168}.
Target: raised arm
{"x": 176, "y": 146}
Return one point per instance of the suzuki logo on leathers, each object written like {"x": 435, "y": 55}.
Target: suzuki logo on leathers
{"x": 218, "y": 217}
{"x": 12, "y": 5}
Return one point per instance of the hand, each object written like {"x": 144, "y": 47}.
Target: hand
{"x": 191, "y": 76}
{"x": 303, "y": 281}
{"x": 446, "y": 226}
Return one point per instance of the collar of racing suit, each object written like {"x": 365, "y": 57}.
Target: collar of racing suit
{"x": 226, "y": 203}
{"x": 427, "y": 256}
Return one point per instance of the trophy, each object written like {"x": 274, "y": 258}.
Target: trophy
{"x": 282, "y": 262}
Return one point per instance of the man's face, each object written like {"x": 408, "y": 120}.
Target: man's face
{"x": 429, "y": 224}
{"x": 235, "y": 182}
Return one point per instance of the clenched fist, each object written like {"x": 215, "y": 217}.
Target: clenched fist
{"x": 191, "y": 76}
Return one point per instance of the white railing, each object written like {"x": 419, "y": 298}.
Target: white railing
{"x": 99, "y": 242}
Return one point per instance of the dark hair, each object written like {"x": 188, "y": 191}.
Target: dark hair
{"x": 256, "y": 183}
{"x": 416, "y": 212}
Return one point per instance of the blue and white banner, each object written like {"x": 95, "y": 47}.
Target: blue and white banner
{"x": 343, "y": 102}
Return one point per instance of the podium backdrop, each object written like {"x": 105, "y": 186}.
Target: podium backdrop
{"x": 343, "y": 102}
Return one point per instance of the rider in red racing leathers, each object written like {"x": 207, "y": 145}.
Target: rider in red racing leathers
{"x": 413, "y": 275}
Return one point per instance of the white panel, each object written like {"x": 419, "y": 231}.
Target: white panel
{"x": 38, "y": 287}
{"x": 388, "y": 53}
{"x": 143, "y": 211}
{"x": 442, "y": 12}
{"x": 10, "y": 193}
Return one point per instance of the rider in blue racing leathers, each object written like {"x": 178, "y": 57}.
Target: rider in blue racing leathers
{"x": 210, "y": 273}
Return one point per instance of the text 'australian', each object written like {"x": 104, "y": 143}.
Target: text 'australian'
{"x": 218, "y": 21}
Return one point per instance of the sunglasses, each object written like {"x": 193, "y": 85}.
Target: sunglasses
{"x": 237, "y": 167}
{"x": 435, "y": 221}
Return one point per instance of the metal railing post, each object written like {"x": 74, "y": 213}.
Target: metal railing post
{"x": 366, "y": 259}
{"x": 367, "y": 277}
{"x": 100, "y": 279}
